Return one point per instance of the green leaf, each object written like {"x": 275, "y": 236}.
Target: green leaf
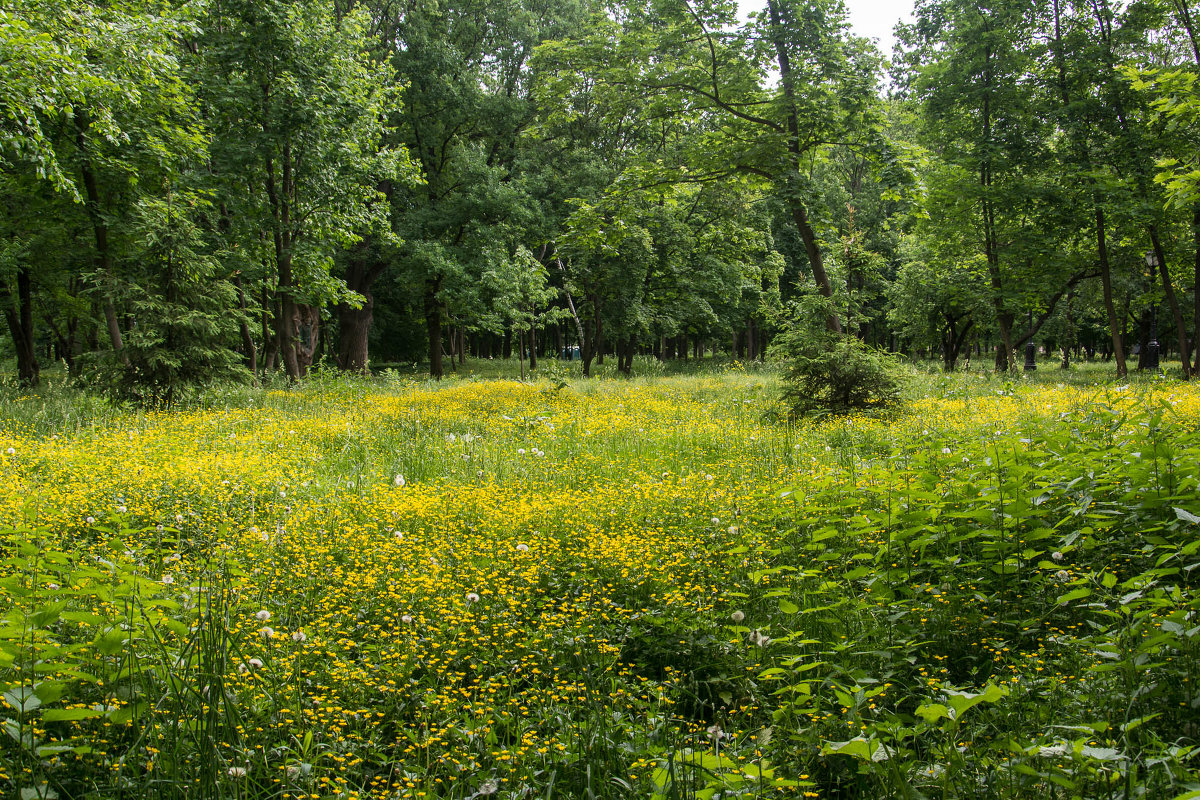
{"x": 1074, "y": 594}
{"x": 932, "y": 712}
{"x": 23, "y": 699}
{"x": 70, "y": 714}
{"x": 41, "y": 792}
{"x": 1186, "y": 516}
{"x": 962, "y": 701}
{"x": 1102, "y": 754}
{"x": 788, "y": 607}
{"x": 112, "y": 642}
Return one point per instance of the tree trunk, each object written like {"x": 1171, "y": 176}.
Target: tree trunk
{"x": 433, "y": 326}
{"x": 1114, "y": 328}
{"x": 532, "y": 348}
{"x": 287, "y": 316}
{"x": 1196, "y": 290}
{"x": 599, "y": 344}
{"x": 799, "y": 214}
{"x": 521, "y": 352}
{"x": 250, "y": 352}
{"x": 1172, "y": 301}
{"x": 20, "y": 325}
{"x": 270, "y": 343}
{"x": 1143, "y": 324}
{"x": 100, "y": 232}
{"x": 952, "y": 340}
{"x": 591, "y": 337}
{"x": 354, "y": 324}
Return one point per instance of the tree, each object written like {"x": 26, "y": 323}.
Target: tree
{"x": 679, "y": 59}
{"x": 298, "y": 106}
{"x": 94, "y": 100}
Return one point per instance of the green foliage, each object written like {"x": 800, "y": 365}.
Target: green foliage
{"x": 833, "y": 373}
{"x": 995, "y": 590}
{"x": 186, "y": 309}
{"x": 1176, "y": 100}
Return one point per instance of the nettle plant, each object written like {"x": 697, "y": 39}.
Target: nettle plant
{"x": 991, "y": 615}
{"x": 112, "y": 663}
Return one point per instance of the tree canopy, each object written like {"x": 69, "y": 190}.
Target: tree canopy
{"x": 197, "y": 192}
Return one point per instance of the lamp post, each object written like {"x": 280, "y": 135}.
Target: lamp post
{"x": 1030, "y": 350}
{"x": 1152, "y": 347}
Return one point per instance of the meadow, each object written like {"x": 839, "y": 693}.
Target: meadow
{"x": 648, "y": 588}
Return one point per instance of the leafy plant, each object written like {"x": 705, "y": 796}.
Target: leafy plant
{"x": 831, "y": 372}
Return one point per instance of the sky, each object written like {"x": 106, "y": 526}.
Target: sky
{"x": 873, "y": 19}
{"x": 876, "y": 18}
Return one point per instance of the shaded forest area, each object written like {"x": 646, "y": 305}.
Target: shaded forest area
{"x": 207, "y": 191}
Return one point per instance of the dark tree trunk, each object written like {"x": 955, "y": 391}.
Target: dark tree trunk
{"x": 592, "y": 340}
{"x": 1114, "y": 328}
{"x": 599, "y": 343}
{"x": 306, "y": 332}
{"x": 270, "y": 343}
{"x": 354, "y": 324}
{"x": 625, "y": 356}
{"x": 1172, "y": 302}
{"x": 796, "y": 151}
{"x": 1143, "y": 325}
{"x": 532, "y": 348}
{"x": 433, "y": 326}
{"x": 288, "y": 313}
{"x": 1196, "y": 291}
{"x": 100, "y": 232}
{"x": 20, "y": 326}
{"x": 952, "y": 340}
{"x": 249, "y": 351}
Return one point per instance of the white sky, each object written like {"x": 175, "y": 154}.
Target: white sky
{"x": 873, "y": 19}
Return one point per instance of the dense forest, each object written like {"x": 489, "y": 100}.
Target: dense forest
{"x": 228, "y": 189}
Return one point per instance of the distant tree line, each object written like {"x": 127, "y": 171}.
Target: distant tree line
{"x": 199, "y": 191}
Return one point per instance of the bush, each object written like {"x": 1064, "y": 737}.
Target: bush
{"x": 834, "y": 373}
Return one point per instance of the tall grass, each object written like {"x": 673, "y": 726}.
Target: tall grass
{"x": 642, "y": 587}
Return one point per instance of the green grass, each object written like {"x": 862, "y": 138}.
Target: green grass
{"x": 643, "y": 587}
